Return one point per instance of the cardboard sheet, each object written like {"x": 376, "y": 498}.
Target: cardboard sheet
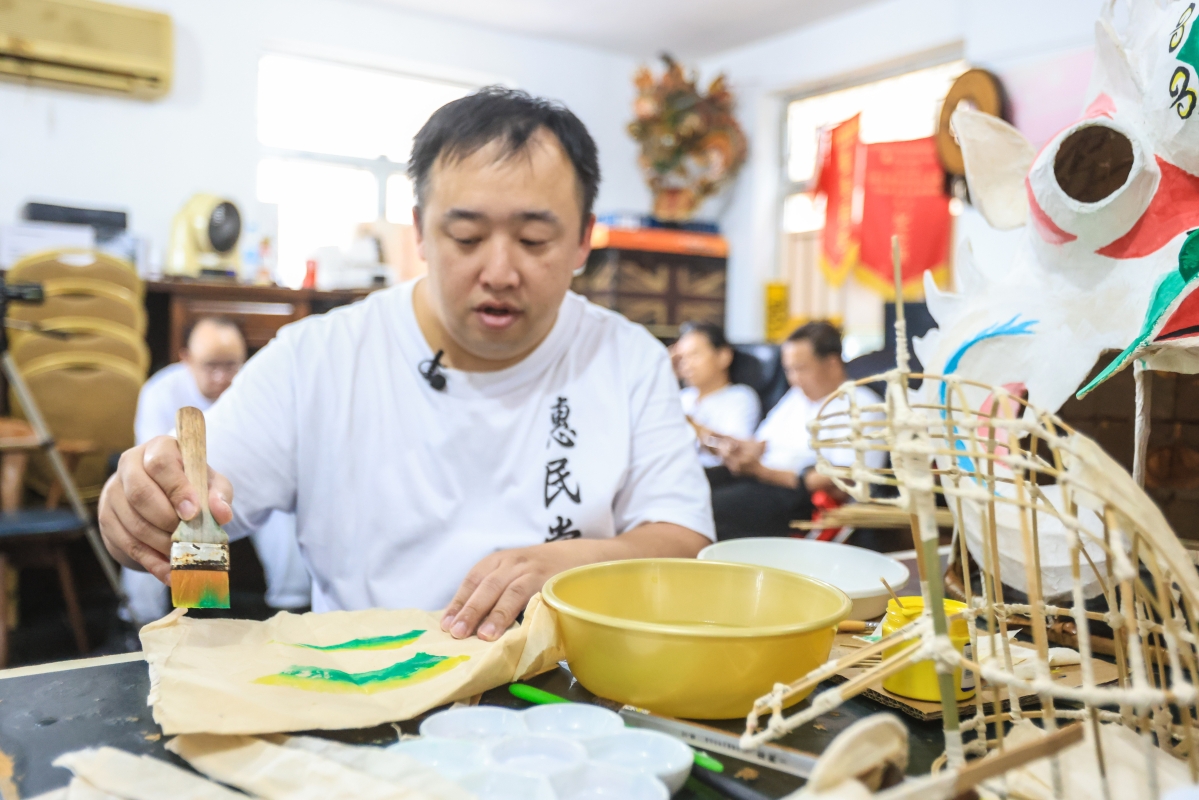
{"x": 344, "y": 669}
{"x": 1067, "y": 676}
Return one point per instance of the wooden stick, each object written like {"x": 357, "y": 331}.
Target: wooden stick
{"x": 978, "y": 771}
{"x": 891, "y": 592}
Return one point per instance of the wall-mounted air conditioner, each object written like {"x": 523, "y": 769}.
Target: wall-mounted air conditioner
{"x": 84, "y": 44}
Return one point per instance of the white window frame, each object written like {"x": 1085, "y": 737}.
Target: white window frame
{"x": 893, "y": 69}
{"x": 380, "y": 167}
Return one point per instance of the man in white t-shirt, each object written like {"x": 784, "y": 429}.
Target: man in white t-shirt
{"x": 456, "y": 440}
{"x": 214, "y": 350}
{"x": 775, "y": 470}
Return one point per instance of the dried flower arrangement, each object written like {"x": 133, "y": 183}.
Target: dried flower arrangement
{"x": 691, "y": 145}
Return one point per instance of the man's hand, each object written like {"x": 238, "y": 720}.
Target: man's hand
{"x": 740, "y": 455}
{"x": 814, "y": 482}
{"x": 142, "y": 504}
{"x": 499, "y": 587}
{"x": 708, "y": 438}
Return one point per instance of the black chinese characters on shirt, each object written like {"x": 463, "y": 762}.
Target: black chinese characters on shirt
{"x": 558, "y": 480}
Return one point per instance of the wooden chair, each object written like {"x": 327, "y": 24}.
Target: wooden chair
{"x": 87, "y": 335}
{"x": 90, "y": 396}
{"x": 36, "y": 537}
{"x": 85, "y": 297}
{"x": 76, "y": 263}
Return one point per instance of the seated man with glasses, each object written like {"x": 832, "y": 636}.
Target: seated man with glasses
{"x": 214, "y": 350}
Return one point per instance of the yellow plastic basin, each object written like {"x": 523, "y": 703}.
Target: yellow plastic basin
{"x": 687, "y": 638}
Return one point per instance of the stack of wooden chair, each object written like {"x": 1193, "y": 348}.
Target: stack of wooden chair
{"x": 86, "y": 382}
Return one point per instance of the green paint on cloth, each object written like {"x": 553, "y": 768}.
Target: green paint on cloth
{"x": 373, "y": 643}
{"x": 421, "y": 667}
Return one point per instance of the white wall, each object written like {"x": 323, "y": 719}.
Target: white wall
{"x": 149, "y": 157}
{"x": 994, "y": 35}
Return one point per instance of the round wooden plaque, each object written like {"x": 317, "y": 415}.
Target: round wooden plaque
{"x": 982, "y": 91}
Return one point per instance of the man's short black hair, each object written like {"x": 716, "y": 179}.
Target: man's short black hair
{"x": 459, "y": 128}
{"x": 822, "y": 335}
{"x": 215, "y": 319}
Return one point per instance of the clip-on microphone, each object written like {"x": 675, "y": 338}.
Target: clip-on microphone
{"x": 431, "y": 371}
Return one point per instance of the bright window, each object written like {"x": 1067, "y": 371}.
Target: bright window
{"x": 332, "y": 137}
{"x": 400, "y": 199}
{"x": 893, "y": 109}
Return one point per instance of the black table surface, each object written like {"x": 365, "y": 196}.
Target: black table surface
{"x": 44, "y": 715}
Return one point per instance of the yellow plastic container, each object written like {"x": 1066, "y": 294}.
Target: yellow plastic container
{"x": 919, "y": 681}
{"x": 688, "y": 638}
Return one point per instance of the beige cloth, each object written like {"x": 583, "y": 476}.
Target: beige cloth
{"x": 222, "y": 675}
{"x": 865, "y": 746}
{"x": 54, "y": 794}
{"x": 80, "y": 789}
{"x": 108, "y": 772}
{"x": 395, "y": 768}
{"x": 1123, "y": 756}
{"x": 272, "y": 772}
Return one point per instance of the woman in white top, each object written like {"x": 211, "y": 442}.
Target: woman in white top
{"x": 714, "y": 405}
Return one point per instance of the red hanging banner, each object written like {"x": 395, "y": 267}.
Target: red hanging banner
{"x": 839, "y": 241}
{"x": 904, "y": 196}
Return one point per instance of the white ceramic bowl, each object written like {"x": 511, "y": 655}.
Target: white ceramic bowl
{"x": 572, "y": 720}
{"x": 477, "y": 723}
{"x": 645, "y": 753}
{"x": 546, "y": 756}
{"x": 853, "y": 570}
{"x": 603, "y": 782}
{"x": 452, "y": 758}
{"x": 499, "y": 784}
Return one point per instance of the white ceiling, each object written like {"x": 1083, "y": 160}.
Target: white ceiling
{"x": 643, "y": 28}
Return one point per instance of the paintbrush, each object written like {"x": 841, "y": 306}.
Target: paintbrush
{"x": 199, "y": 548}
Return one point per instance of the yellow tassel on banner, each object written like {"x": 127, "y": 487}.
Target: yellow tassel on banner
{"x": 913, "y": 289}
{"x": 837, "y": 274}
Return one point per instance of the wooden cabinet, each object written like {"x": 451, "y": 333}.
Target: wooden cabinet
{"x": 172, "y": 306}
{"x": 660, "y": 278}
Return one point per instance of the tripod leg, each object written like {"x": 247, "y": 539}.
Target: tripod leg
{"x": 34, "y": 415}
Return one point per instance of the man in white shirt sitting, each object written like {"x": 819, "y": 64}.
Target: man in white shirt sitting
{"x": 775, "y": 471}
{"x": 214, "y": 350}
{"x": 454, "y": 441}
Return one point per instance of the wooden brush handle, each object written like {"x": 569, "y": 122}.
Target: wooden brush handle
{"x": 190, "y": 431}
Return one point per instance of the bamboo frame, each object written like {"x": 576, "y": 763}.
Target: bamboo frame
{"x": 946, "y": 440}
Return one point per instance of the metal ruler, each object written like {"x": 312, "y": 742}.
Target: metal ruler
{"x": 783, "y": 759}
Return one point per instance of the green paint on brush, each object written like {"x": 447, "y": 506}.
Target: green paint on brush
{"x": 211, "y": 599}
{"x": 372, "y": 643}
{"x": 421, "y": 667}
